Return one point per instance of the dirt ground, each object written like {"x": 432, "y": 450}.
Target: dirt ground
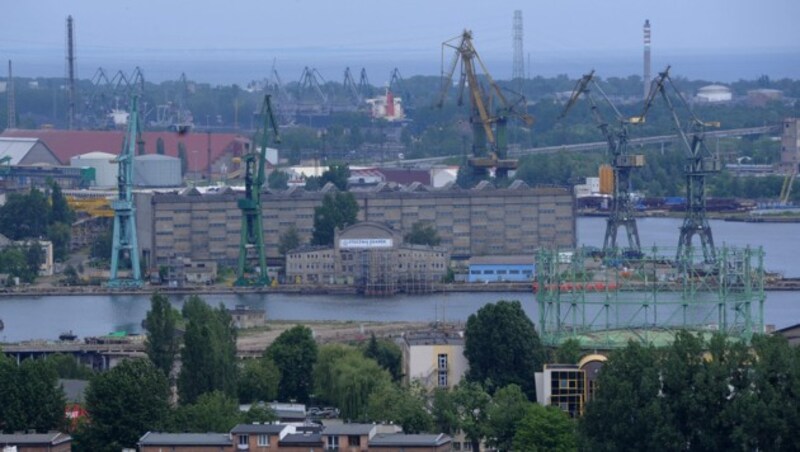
{"x": 255, "y": 340}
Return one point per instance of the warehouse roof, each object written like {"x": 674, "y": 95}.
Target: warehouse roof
{"x": 18, "y": 148}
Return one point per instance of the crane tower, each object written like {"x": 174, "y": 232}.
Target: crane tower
{"x": 622, "y": 213}
{"x": 699, "y": 163}
{"x": 124, "y": 239}
{"x": 252, "y": 232}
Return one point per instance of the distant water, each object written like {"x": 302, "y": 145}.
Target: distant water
{"x": 94, "y": 315}
{"x": 232, "y": 66}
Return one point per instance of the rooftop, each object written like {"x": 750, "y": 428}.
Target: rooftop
{"x": 185, "y": 439}
{"x": 51, "y": 438}
{"x": 258, "y": 428}
{"x": 408, "y": 440}
{"x": 348, "y": 429}
{"x": 434, "y": 337}
{"x": 301, "y": 439}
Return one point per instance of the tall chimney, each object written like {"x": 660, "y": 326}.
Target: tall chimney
{"x": 647, "y": 77}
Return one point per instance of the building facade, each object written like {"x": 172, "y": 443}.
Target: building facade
{"x": 434, "y": 358}
{"x": 373, "y": 258}
{"x": 483, "y": 269}
{"x": 790, "y": 145}
{"x": 475, "y": 222}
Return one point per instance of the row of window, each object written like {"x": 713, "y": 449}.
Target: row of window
{"x": 501, "y": 272}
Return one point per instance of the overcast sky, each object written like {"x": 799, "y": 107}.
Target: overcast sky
{"x": 406, "y": 29}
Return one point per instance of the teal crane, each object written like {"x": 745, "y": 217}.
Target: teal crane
{"x": 124, "y": 239}
{"x": 252, "y": 233}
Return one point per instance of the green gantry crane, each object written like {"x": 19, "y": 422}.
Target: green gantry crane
{"x": 125, "y": 240}
{"x": 252, "y": 237}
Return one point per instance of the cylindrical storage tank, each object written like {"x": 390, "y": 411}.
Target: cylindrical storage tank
{"x": 155, "y": 170}
{"x": 606, "y": 179}
{"x": 105, "y": 170}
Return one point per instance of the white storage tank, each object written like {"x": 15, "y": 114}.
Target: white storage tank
{"x": 155, "y": 170}
{"x": 714, "y": 93}
{"x": 105, "y": 170}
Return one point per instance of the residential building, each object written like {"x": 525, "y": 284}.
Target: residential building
{"x": 434, "y": 358}
{"x": 403, "y": 442}
{"x": 37, "y": 442}
{"x": 348, "y": 437}
{"x": 476, "y": 222}
{"x": 246, "y": 317}
{"x": 259, "y": 437}
{"x": 185, "y": 442}
{"x": 372, "y": 257}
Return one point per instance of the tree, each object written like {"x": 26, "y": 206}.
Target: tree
{"x": 25, "y": 216}
{"x": 337, "y": 175}
{"x": 402, "y": 406}
{"x": 122, "y": 403}
{"x": 208, "y": 356}
{"x": 354, "y": 378}
{"x": 289, "y": 240}
{"x": 33, "y": 260}
{"x": 60, "y": 235}
{"x": 30, "y": 398}
{"x": 337, "y": 211}
{"x": 160, "y": 146}
{"x": 502, "y": 347}
{"x": 161, "y": 344}
{"x": 67, "y": 366}
{"x": 295, "y": 353}
{"x": 569, "y": 352}
{"x": 212, "y": 412}
{"x": 471, "y": 405}
{"x": 546, "y": 429}
{"x": 60, "y": 212}
{"x": 387, "y": 354}
{"x": 278, "y": 180}
{"x": 423, "y": 233}
{"x": 258, "y": 381}
{"x": 506, "y": 410}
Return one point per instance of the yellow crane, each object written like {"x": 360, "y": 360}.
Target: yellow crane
{"x": 489, "y": 148}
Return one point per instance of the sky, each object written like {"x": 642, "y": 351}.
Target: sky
{"x": 215, "y": 39}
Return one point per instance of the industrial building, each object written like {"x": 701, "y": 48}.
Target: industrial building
{"x": 714, "y": 93}
{"x": 371, "y": 257}
{"x": 205, "y": 225}
{"x": 105, "y": 170}
{"x": 26, "y": 151}
{"x": 519, "y": 268}
{"x": 790, "y": 145}
{"x": 156, "y": 170}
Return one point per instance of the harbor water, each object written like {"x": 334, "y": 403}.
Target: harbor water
{"x": 32, "y": 317}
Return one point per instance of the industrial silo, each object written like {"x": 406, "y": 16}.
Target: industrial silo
{"x": 102, "y": 162}
{"x": 155, "y": 170}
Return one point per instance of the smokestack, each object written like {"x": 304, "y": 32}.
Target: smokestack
{"x": 70, "y": 74}
{"x": 647, "y": 77}
{"x": 12, "y": 107}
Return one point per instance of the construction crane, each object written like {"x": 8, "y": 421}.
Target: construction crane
{"x": 351, "y": 87}
{"x": 124, "y": 238}
{"x": 489, "y": 148}
{"x": 700, "y": 162}
{"x": 252, "y": 232}
{"x": 622, "y": 212}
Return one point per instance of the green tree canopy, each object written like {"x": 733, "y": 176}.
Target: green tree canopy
{"x": 212, "y": 412}
{"x": 351, "y": 380}
{"x": 25, "y": 216}
{"x": 337, "y": 175}
{"x": 505, "y": 412}
{"x": 278, "y": 180}
{"x": 403, "y": 406}
{"x": 67, "y": 366}
{"x": 423, "y": 233}
{"x": 387, "y": 354}
{"x": 258, "y": 380}
{"x": 161, "y": 344}
{"x": 502, "y": 347}
{"x": 122, "y": 403}
{"x": 60, "y": 211}
{"x": 546, "y": 429}
{"x": 337, "y": 211}
{"x": 295, "y": 353}
{"x": 208, "y": 356}
{"x": 30, "y": 398}
{"x": 289, "y": 240}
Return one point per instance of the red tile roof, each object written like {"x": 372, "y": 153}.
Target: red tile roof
{"x": 66, "y": 144}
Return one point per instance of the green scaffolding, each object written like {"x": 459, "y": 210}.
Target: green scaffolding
{"x": 604, "y": 300}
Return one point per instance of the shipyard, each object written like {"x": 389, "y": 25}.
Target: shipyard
{"x": 463, "y": 227}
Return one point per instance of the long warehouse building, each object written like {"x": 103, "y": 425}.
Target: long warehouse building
{"x": 477, "y": 222}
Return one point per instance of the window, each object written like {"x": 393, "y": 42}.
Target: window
{"x": 263, "y": 440}
{"x": 442, "y": 378}
{"x": 244, "y": 440}
{"x": 442, "y": 361}
{"x": 333, "y": 442}
{"x": 353, "y": 440}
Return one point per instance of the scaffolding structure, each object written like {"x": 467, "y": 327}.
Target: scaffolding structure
{"x": 604, "y": 300}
